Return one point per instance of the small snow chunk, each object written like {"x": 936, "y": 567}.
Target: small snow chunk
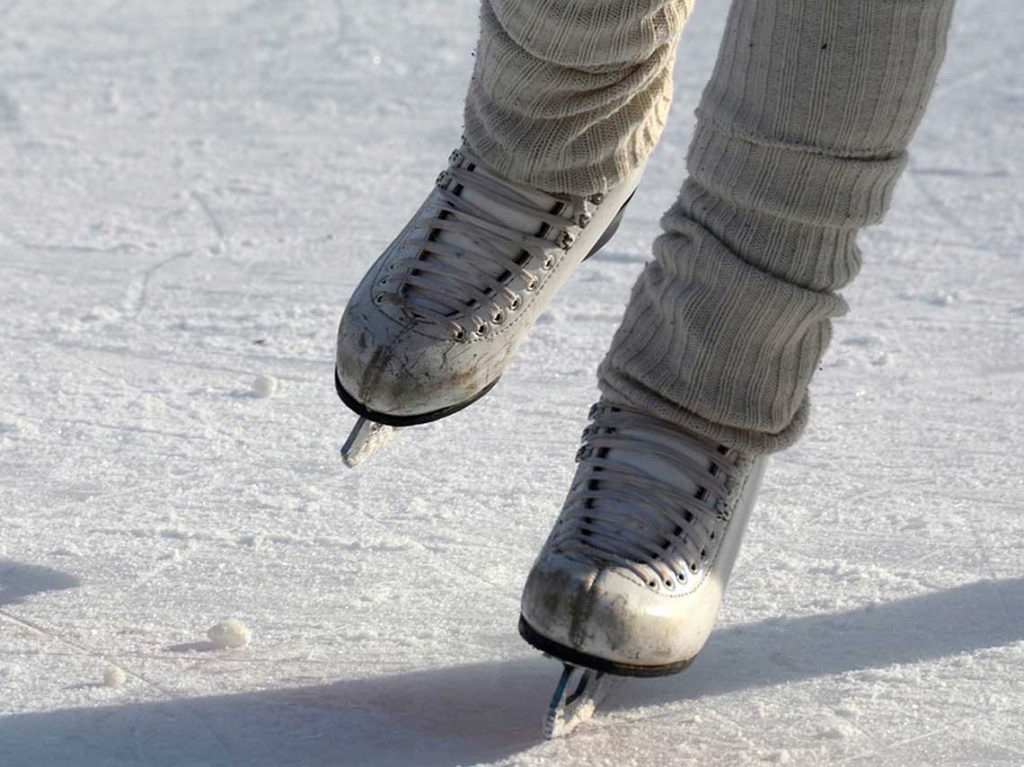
{"x": 265, "y": 386}
{"x": 230, "y": 634}
{"x": 102, "y": 314}
{"x": 114, "y": 677}
{"x": 942, "y": 299}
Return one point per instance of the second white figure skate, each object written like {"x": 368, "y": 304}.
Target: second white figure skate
{"x": 630, "y": 580}
{"x": 439, "y": 315}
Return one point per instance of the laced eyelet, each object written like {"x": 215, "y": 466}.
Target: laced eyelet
{"x": 549, "y": 263}
{"x": 498, "y": 317}
{"x": 566, "y": 239}
{"x": 583, "y": 219}
{"x": 455, "y": 157}
{"x": 514, "y": 304}
{"x": 693, "y": 567}
{"x": 532, "y": 285}
{"x": 482, "y": 328}
{"x": 459, "y": 334}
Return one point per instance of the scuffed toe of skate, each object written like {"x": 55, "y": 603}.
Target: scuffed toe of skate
{"x": 556, "y": 597}
{"x": 607, "y": 613}
{"x": 388, "y": 368}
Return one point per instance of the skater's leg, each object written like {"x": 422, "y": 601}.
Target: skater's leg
{"x": 571, "y": 95}
{"x": 801, "y": 136}
{"x": 567, "y": 100}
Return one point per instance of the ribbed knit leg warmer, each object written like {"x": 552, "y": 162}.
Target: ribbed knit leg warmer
{"x": 801, "y": 137}
{"x": 572, "y": 95}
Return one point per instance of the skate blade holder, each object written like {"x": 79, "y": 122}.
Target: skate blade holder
{"x": 579, "y": 692}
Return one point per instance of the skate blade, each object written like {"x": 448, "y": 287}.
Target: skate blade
{"x": 578, "y": 694}
{"x": 366, "y": 439}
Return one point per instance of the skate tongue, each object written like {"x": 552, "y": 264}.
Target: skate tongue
{"x": 514, "y": 219}
{"x": 648, "y": 463}
{"x": 654, "y": 465}
{"x": 485, "y": 205}
{"x": 650, "y": 486}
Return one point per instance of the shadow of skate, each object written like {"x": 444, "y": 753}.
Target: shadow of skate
{"x": 489, "y": 711}
{"x": 19, "y": 580}
{"x": 782, "y": 650}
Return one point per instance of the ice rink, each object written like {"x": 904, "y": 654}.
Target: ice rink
{"x": 190, "y": 190}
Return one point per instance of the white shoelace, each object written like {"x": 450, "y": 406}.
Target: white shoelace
{"x": 482, "y": 248}
{"x": 649, "y": 497}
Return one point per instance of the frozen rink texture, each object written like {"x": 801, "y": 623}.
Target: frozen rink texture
{"x": 190, "y": 190}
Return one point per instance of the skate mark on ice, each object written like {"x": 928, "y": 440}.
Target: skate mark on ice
{"x": 186, "y": 703}
{"x": 944, "y": 210}
{"x": 112, "y": 10}
{"x": 432, "y": 555}
{"x": 19, "y": 581}
{"x": 10, "y": 114}
{"x": 136, "y": 295}
{"x": 202, "y": 646}
{"x": 879, "y": 750}
{"x": 963, "y": 172}
{"x": 211, "y": 216}
{"x": 70, "y": 247}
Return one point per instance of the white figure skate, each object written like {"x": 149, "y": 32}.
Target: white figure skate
{"x": 437, "y": 318}
{"x": 630, "y": 579}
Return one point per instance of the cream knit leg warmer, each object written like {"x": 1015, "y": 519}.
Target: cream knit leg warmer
{"x": 572, "y": 95}
{"x": 801, "y": 137}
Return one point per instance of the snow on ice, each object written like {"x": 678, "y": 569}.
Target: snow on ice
{"x": 229, "y": 634}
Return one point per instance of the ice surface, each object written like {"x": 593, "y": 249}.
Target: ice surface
{"x": 190, "y": 190}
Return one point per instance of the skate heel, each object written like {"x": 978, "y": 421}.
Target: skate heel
{"x": 613, "y": 227}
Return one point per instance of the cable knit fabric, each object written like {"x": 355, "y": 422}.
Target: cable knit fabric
{"x": 801, "y": 137}
{"x": 572, "y": 95}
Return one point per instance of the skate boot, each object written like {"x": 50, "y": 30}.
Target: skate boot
{"x": 631, "y": 577}
{"x": 437, "y": 318}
